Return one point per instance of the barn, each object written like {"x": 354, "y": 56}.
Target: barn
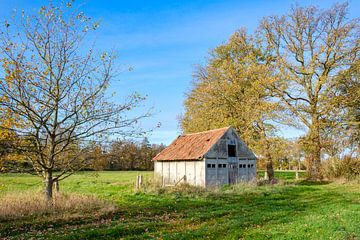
{"x": 215, "y": 157}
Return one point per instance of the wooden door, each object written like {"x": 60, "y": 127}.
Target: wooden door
{"x": 233, "y": 173}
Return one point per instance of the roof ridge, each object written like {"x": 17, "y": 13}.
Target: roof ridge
{"x": 212, "y": 130}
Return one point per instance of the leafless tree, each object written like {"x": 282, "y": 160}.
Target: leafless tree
{"x": 58, "y": 91}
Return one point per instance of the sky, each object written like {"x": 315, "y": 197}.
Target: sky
{"x": 163, "y": 41}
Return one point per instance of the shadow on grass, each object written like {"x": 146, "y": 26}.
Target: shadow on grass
{"x": 215, "y": 215}
{"x": 312, "y": 183}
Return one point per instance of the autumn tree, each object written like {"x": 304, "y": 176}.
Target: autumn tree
{"x": 10, "y": 158}
{"x": 345, "y": 102}
{"x": 58, "y": 90}
{"x": 98, "y": 158}
{"x": 7, "y": 137}
{"x": 310, "y": 48}
{"x": 232, "y": 89}
{"x": 132, "y": 155}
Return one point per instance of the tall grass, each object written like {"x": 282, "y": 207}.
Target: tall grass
{"x": 28, "y": 204}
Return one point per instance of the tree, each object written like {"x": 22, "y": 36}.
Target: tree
{"x": 97, "y": 156}
{"x": 10, "y": 158}
{"x": 346, "y": 113}
{"x": 7, "y": 137}
{"x": 132, "y": 155}
{"x": 310, "y": 48}
{"x": 233, "y": 90}
{"x": 58, "y": 91}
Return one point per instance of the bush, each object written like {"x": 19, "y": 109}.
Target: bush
{"x": 348, "y": 168}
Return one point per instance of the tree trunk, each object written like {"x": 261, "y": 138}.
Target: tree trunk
{"x": 314, "y": 154}
{"x": 268, "y": 163}
{"x": 314, "y": 165}
{"x": 269, "y": 168}
{"x": 48, "y": 185}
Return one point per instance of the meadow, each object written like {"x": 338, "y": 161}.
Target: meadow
{"x": 288, "y": 210}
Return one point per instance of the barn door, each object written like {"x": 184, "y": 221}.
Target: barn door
{"x": 233, "y": 173}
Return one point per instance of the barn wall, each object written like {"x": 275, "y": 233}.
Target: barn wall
{"x": 243, "y": 170}
{"x": 211, "y": 173}
{"x": 247, "y": 169}
{"x": 252, "y": 170}
{"x": 219, "y": 154}
{"x": 172, "y": 172}
{"x": 219, "y": 150}
{"x": 158, "y": 171}
{"x": 216, "y": 176}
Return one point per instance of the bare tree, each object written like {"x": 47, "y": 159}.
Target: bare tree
{"x": 58, "y": 91}
{"x": 310, "y": 48}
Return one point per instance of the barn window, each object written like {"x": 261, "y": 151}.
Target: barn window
{"x": 240, "y": 165}
{"x": 244, "y": 165}
{"x": 221, "y": 165}
{"x": 209, "y": 165}
{"x": 248, "y": 165}
{"x": 252, "y": 165}
{"x": 232, "y": 150}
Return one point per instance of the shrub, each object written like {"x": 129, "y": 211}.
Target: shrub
{"x": 348, "y": 168}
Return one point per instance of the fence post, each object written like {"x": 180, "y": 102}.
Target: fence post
{"x": 138, "y": 182}
{"x": 297, "y": 175}
{"x": 266, "y": 177}
{"x": 56, "y": 185}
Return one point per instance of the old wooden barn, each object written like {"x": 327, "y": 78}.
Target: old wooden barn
{"x": 214, "y": 157}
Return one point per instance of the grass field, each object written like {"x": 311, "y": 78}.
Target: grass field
{"x": 292, "y": 210}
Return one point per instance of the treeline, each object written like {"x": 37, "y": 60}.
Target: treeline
{"x": 124, "y": 155}
{"x": 117, "y": 155}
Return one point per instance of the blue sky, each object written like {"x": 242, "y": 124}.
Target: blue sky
{"x": 163, "y": 40}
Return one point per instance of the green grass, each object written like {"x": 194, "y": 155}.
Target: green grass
{"x": 293, "y": 210}
{"x": 284, "y": 175}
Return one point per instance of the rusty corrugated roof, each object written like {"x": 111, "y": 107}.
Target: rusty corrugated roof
{"x": 191, "y": 146}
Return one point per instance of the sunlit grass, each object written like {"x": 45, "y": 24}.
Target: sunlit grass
{"x": 31, "y": 205}
{"x": 291, "y": 210}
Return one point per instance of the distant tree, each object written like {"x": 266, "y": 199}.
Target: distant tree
{"x": 310, "y": 48}
{"x": 131, "y": 155}
{"x": 296, "y": 153}
{"x": 57, "y": 90}
{"x": 279, "y": 150}
{"x": 96, "y": 155}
